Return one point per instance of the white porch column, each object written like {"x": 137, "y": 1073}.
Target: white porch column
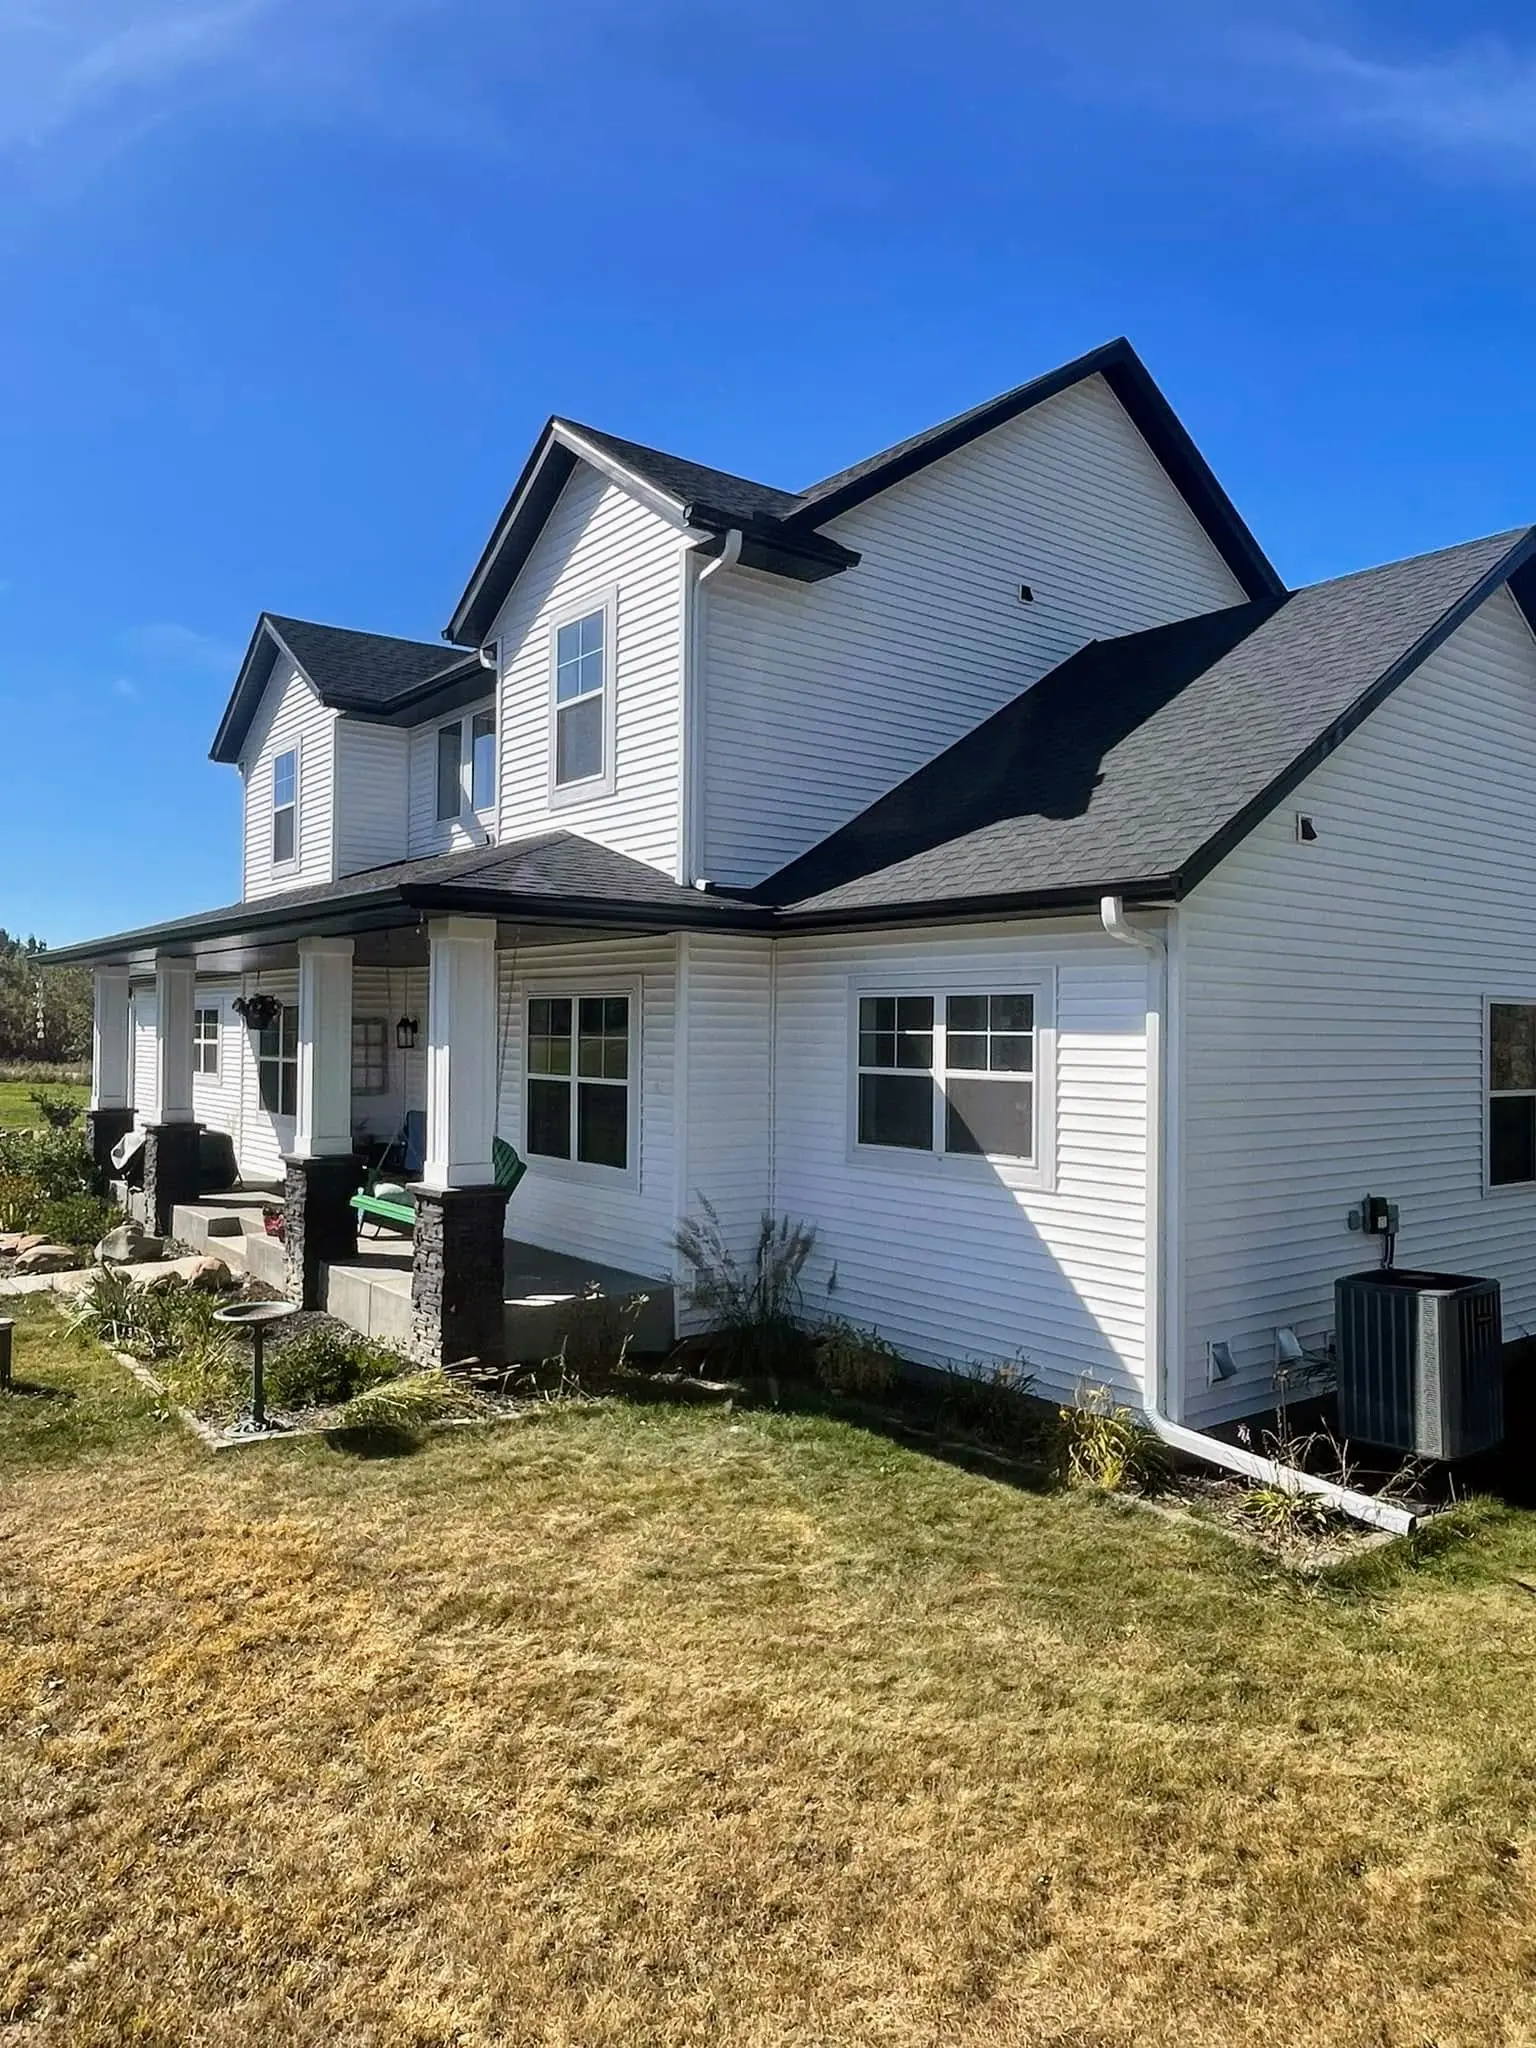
{"x": 175, "y": 985}
{"x": 323, "y": 1125}
{"x": 461, "y": 1052}
{"x": 111, "y": 1066}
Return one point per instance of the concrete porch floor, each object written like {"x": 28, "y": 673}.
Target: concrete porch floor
{"x": 373, "y": 1292}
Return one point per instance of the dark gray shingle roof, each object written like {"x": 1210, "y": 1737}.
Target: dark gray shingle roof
{"x": 1132, "y": 761}
{"x": 787, "y": 540}
{"x": 365, "y": 671}
{"x": 694, "y": 483}
{"x": 550, "y": 877}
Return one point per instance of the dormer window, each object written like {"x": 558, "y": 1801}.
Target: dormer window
{"x": 582, "y": 741}
{"x": 285, "y": 808}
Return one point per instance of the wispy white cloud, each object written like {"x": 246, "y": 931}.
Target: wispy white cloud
{"x": 66, "y": 62}
{"x": 167, "y": 645}
{"x": 1472, "y": 103}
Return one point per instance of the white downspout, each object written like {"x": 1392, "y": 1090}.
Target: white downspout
{"x": 727, "y": 558}
{"x": 1163, "y": 1275}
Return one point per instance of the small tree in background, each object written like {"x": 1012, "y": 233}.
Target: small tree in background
{"x": 45, "y": 1012}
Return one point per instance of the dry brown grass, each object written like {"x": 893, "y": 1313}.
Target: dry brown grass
{"x": 657, "y": 1727}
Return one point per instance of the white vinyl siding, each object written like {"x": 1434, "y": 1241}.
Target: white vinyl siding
{"x": 598, "y": 544}
{"x": 969, "y": 1265}
{"x": 725, "y": 1085}
{"x": 216, "y": 1097}
{"x": 146, "y": 1073}
{"x": 623, "y": 1219}
{"x": 290, "y": 717}
{"x": 1333, "y": 999}
{"x": 428, "y": 832}
{"x": 817, "y": 698}
{"x": 372, "y": 779}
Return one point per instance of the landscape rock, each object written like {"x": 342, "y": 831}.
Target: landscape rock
{"x": 164, "y": 1283}
{"x": 209, "y": 1275}
{"x": 123, "y": 1246}
{"x": 29, "y": 1240}
{"x": 43, "y": 1257}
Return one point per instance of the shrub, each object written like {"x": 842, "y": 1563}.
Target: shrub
{"x": 81, "y": 1220}
{"x": 58, "y": 1112}
{"x": 754, "y": 1309}
{"x": 996, "y": 1402}
{"x": 55, "y": 1163}
{"x": 318, "y": 1367}
{"x": 1109, "y": 1447}
{"x": 854, "y": 1361}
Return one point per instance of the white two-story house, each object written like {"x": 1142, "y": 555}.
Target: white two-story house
{"x": 980, "y": 855}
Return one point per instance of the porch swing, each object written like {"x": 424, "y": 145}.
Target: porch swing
{"x": 383, "y": 1202}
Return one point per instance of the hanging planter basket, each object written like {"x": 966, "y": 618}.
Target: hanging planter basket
{"x": 258, "y": 1011}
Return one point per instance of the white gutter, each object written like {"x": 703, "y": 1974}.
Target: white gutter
{"x": 1162, "y": 1270}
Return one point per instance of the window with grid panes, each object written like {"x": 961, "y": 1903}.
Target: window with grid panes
{"x": 578, "y": 1079}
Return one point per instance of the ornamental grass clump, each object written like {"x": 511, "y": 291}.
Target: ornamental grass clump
{"x": 1110, "y": 1448}
{"x": 754, "y": 1306}
{"x": 412, "y": 1402}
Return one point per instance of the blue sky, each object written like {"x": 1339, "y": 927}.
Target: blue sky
{"x": 287, "y": 287}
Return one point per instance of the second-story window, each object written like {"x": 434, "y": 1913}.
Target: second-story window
{"x": 482, "y": 760}
{"x": 581, "y": 679}
{"x": 285, "y": 807}
{"x": 450, "y": 784}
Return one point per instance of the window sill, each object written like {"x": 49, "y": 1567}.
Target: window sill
{"x": 620, "y": 1179}
{"x": 1016, "y": 1175}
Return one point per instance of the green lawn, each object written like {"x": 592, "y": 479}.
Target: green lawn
{"x": 651, "y": 1726}
{"x": 17, "y": 1110}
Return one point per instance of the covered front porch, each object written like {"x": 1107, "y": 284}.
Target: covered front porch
{"x": 479, "y": 1059}
{"x": 371, "y": 1291}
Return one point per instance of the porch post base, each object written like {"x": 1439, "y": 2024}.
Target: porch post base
{"x": 103, "y": 1128}
{"x": 171, "y": 1171}
{"x": 458, "y": 1284}
{"x": 319, "y": 1223}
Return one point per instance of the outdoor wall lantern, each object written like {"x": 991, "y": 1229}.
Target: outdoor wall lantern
{"x": 407, "y": 1031}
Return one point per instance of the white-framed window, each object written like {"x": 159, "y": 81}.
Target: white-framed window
{"x": 582, "y": 701}
{"x": 450, "y": 770}
{"x": 955, "y": 1075}
{"x": 1511, "y": 1068}
{"x": 370, "y": 1055}
{"x": 285, "y": 808}
{"x": 482, "y": 760}
{"x": 205, "y": 1041}
{"x": 277, "y": 1062}
{"x": 579, "y": 1098}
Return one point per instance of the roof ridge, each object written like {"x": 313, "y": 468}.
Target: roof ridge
{"x": 436, "y": 642}
{"x": 1510, "y": 537}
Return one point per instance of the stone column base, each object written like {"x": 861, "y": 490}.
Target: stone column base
{"x": 319, "y": 1223}
{"x": 171, "y": 1171}
{"x": 458, "y": 1284}
{"x": 103, "y": 1128}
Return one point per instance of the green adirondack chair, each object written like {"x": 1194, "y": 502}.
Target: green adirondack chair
{"x": 395, "y": 1206}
